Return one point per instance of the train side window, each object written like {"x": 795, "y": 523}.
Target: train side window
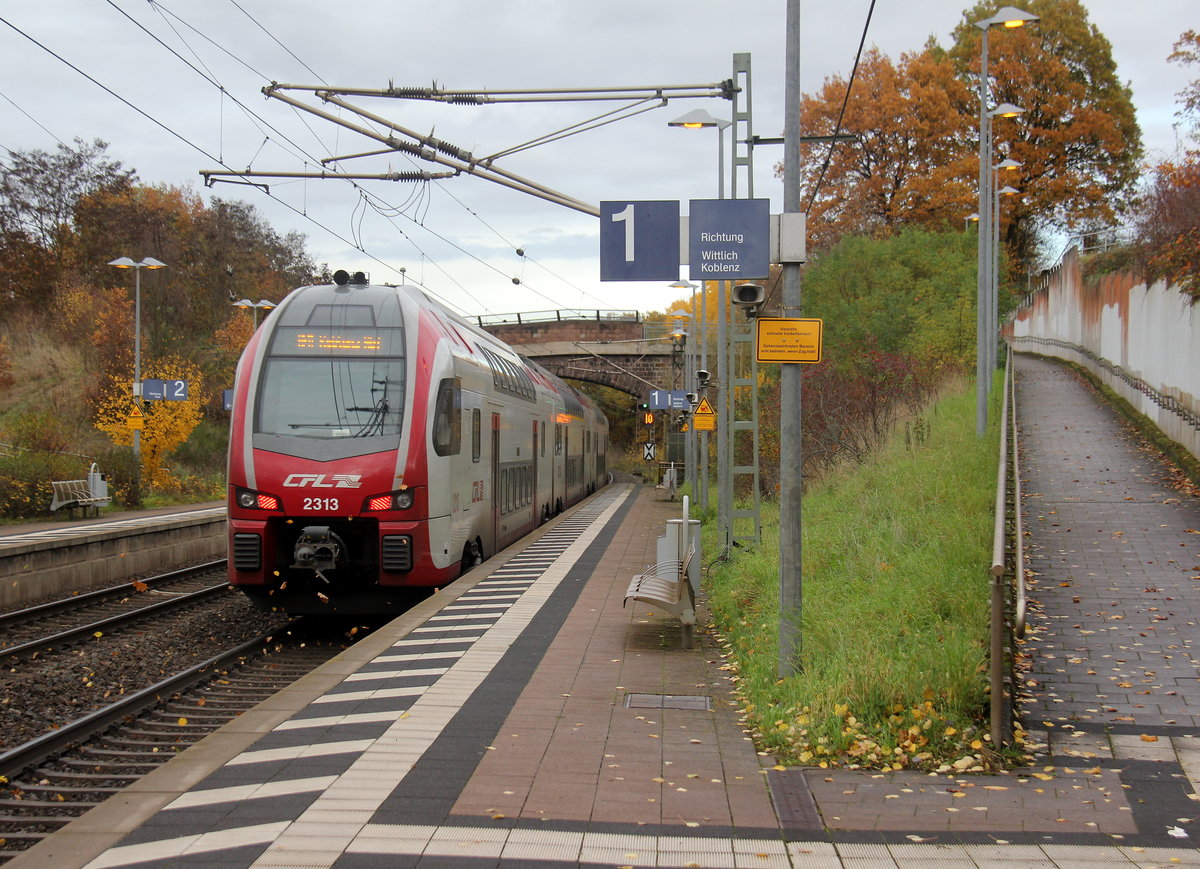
{"x": 558, "y": 440}
{"x": 542, "y": 441}
{"x": 476, "y": 435}
{"x": 447, "y": 418}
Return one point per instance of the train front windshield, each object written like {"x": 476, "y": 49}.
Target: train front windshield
{"x": 326, "y": 383}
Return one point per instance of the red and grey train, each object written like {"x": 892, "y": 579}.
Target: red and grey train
{"x": 380, "y": 443}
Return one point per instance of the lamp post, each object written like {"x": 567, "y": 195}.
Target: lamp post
{"x": 699, "y": 119}
{"x": 148, "y": 263}
{"x": 697, "y": 463}
{"x": 994, "y": 299}
{"x": 254, "y": 306}
{"x": 1010, "y": 18}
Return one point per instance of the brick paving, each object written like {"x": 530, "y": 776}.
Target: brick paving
{"x": 1115, "y": 553}
{"x": 572, "y": 750}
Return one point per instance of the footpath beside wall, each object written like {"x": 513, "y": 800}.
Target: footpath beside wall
{"x": 1141, "y": 341}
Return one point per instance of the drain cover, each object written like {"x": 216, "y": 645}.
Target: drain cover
{"x": 794, "y": 803}
{"x": 698, "y": 702}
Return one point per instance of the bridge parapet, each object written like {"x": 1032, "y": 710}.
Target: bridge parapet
{"x": 610, "y": 348}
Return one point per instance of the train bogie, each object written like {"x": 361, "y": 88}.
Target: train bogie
{"x": 379, "y": 444}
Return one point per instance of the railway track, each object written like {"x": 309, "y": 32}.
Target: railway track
{"x": 52, "y": 779}
{"x": 68, "y": 619}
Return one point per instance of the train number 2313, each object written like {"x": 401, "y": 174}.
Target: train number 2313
{"x": 327, "y": 505}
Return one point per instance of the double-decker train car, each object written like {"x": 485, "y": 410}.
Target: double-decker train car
{"x": 379, "y": 443}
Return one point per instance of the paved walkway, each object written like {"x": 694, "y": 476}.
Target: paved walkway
{"x": 585, "y": 734}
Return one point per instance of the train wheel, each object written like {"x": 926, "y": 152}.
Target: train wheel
{"x": 472, "y": 555}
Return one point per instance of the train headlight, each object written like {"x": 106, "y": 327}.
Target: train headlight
{"x": 251, "y": 500}
{"x": 401, "y": 500}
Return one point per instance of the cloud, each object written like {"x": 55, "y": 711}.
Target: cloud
{"x": 176, "y": 119}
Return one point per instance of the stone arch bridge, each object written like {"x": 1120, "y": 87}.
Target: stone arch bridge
{"x": 619, "y": 349}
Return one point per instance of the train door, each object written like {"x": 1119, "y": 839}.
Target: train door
{"x": 497, "y": 494}
{"x": 537, "y": 517}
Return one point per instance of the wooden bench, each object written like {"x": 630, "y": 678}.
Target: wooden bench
{"x": 666, "y": 585}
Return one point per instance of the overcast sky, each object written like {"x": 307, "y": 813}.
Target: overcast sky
{"x": 169, "y": 120}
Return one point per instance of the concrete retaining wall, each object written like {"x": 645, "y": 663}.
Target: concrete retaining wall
{"x": 87, "y": 557}
{"x": 1141, "y": 341}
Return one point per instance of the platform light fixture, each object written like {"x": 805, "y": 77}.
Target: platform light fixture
{"x": 147, "y": 263}
{"x": 254, "y": 306}
{"x": 1008, "y": 17}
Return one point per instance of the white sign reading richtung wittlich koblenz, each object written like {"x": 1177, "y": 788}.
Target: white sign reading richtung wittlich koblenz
{"x": 729, "y": 239}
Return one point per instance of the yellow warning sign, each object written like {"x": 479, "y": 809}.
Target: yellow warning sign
{"x": 705, "y": 418}
{"x": 136, "y": 419}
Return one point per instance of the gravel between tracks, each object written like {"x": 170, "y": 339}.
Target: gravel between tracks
{"x": 36, "y": 696}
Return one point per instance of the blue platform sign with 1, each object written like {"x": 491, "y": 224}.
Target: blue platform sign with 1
{"x": 664, "y": 399}
{"x": 729, "y": 239}
{"x": 639, "y": 241}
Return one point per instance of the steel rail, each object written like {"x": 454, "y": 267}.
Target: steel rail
{"x": 114, "y": 621}
{"x": 71, "y": 602}
{"x": 37, "y": 750}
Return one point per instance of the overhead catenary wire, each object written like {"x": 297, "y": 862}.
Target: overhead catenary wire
{"x": 685, "y": 90}
{"x": 274, "y": 135}
{"x": 178, "y": 135}
{"x": 842, "y": 113}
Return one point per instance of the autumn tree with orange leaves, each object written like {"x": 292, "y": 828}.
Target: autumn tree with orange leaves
{"x": 911, "y": 162}
{"x": 63, "y": 217}
{"x": 1078, "y": 142}
{"x": 915, "y": 161}
{"x": 1169, "y": 208}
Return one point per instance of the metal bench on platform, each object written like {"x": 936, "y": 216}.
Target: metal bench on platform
{"x": 89, "y": 493}
{"x": 673, "y": 582}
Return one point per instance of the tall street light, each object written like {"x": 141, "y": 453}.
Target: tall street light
{"x": 148, "y": 263}
{"x": 1005, "y": 17}
{"x": 1005, "y": 166}
{"x": 699, "y": 119}
{"x": 697, "y": 464}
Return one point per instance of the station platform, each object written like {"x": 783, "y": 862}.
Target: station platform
{"x": 48, "y": 559}
{"x": 523, "y": 717}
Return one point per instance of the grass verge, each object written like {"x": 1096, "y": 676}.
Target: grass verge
{"x": 893, "y": 666}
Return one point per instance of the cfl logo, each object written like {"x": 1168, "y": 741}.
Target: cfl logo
{"x": 323, "y": 481}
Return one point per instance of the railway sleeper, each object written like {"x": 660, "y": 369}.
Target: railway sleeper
{"x": 221, "y": 702}
{"x": 119, "y": 742}
{"x": 173, "y": 726}
{"x": 20, "y": 823}
{"x": 65, "y": 775}
{"x": 83, "y": 767}
{"x": 182, "y": 737}
{"x": 258, "y": 683}
{"x": 198, "y": 716}
{"x": 55, "y": 792}
{"x": 13, "y": 809}
{"x": 147, "y": 756}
